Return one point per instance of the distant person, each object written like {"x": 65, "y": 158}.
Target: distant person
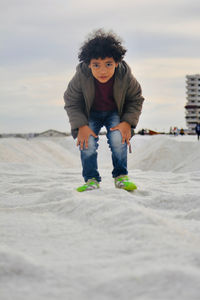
{"x": 175, "y": 131}
{"x": 182, "y": 132}
{"x": 103, "y": 92}
{"x": 197, "y": 129}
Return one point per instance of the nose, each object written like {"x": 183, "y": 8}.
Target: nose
{"x": 103, "y": 70}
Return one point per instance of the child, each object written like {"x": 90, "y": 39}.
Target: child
{"x": 103, "y": 92}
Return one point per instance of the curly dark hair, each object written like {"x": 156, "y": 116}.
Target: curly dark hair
{"x": 101, "y": 45}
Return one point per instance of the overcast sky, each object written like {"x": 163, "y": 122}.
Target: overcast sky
{"x": 40, "y": 40}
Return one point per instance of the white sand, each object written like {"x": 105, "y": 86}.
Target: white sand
{"x": 56, "y": 243}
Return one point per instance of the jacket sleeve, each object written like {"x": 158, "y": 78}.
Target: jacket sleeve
{"x": 133, "y": 103}
{"x": 75, "y": 104}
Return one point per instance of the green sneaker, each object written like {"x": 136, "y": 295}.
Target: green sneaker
{"x": 91, "y": 184}
{"x": 123, "y": 182}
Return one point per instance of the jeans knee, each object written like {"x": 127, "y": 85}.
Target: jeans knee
{"x": 92, "y": 146}
{"x": 115, "y": 139}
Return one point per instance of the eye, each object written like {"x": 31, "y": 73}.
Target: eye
{"x": 96, "y": 66}
{"x": 109, "y": 65}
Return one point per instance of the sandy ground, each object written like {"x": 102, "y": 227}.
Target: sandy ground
{"x": 56, "y": 243}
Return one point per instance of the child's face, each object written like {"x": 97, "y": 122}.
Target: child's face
{"x": 103, "y": 69}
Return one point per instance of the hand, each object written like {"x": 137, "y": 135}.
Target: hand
{"x": 84, "y": 133}
{"x": 125, "y": 129}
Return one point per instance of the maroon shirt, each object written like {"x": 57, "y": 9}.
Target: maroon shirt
{"x": 104, "y": 100}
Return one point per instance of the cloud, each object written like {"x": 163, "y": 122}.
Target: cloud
{"x": 166, "y": 67}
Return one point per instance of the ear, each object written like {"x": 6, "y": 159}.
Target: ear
{"x": 116, "y": 65}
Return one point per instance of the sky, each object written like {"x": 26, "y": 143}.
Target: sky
{"x": 39, "y": 44}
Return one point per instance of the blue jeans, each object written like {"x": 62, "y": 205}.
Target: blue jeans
{"x": 97, "y": 120}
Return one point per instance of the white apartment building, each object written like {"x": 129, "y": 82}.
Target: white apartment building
{"x": 193, "y": 102}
